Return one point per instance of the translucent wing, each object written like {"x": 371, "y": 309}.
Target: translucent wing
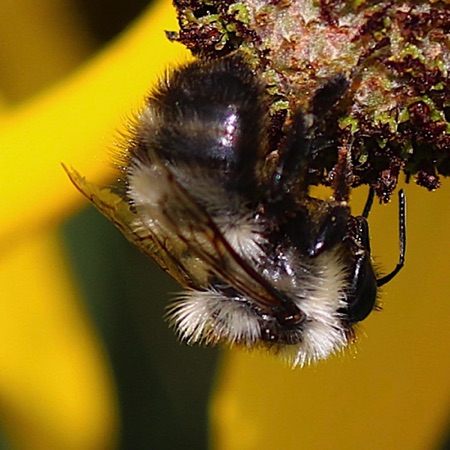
{"x": 186, "y": 242}
{"x": 116, "y": 209}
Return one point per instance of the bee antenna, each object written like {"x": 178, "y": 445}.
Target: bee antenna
{"x": 402, "y": 240}
{"x": 369, "y": 202}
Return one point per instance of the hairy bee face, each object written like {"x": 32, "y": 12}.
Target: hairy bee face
{"x": 263, "y": 264}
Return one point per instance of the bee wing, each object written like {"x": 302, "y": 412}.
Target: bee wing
{"x": 184, "y": 240}
{"x": 116, "y": 209}
{"x": 195, "y": 240}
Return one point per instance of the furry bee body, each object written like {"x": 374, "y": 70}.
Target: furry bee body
{"x": 263, "y": 263}
{"x": 246, "y": 253}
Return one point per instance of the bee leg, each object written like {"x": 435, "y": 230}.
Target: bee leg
{"x": 294, "y": 154}
{"x": 341, "y": 176}
{"x": 329, "y": 94}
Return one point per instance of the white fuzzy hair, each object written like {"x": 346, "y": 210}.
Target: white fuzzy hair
{"x": 317, "y": 285}
{"x": 211, "y": 317}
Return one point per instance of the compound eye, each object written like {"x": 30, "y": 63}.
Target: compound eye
{"x": 363, "y": 304}
{"x": 363, "y": 295}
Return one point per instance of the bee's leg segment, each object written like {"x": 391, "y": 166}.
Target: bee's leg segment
{"x": 294, "y": 155}
{"x": 402, "y": 240}
{"x": 342, "y": 173}
{"x": 363, "y": 283}
{"x": 295, "y": 151}
{"x": 329, "y": 94}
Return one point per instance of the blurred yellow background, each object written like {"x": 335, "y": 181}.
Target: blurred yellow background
{"x": 64, "y": 380}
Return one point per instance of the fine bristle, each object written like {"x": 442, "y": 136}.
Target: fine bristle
{"x": 210, "y": 317}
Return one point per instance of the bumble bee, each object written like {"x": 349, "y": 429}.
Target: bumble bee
{"x": 263, "y": 263}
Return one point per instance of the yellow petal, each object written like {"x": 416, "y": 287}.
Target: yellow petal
{"x": 40, "y": 41}
{"x": 76, "y": 122}
{"x": 55, "y": 383}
